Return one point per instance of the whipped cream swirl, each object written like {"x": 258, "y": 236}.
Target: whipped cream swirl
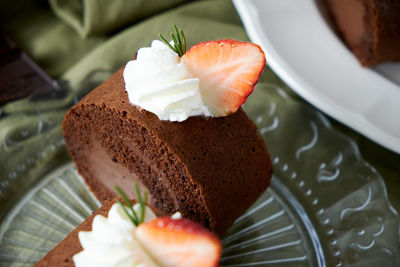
{"x": 159, "y": 82}
{"x": 112, "y": 241}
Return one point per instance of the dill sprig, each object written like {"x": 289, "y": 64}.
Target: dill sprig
{"x": 179, "y": 41}
{"x": 127, "y": 205}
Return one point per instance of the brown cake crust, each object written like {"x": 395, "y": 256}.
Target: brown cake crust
{"x": 209, "y": 169}
{"x": 370, "y": 28}
{"x": 61, "y": 255}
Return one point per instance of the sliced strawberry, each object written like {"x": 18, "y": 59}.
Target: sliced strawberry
{"x": 179, "y": 243}
{"x": 228, "y": 71}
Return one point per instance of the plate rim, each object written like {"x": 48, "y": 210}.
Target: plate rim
{"x": 246, "y": 10}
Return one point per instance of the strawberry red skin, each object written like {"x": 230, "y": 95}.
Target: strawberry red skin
{"x": 179, "y": 243}
{"x": 228, "y": 71}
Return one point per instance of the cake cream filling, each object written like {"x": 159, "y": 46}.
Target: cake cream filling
{"x": 110, "y": 173}
{"x": 159, "y": 82}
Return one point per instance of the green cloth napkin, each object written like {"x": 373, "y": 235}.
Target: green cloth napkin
{"x": 82, "y": 42}
{"x": 96, "y": 17}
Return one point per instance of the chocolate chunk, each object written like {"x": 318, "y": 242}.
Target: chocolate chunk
{"x": 6, "y": 46}
{"x": 20, "y": 76}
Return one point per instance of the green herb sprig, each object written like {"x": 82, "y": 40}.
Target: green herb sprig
{"x": 127, "y": 205}
{"x": 179, "y": 41}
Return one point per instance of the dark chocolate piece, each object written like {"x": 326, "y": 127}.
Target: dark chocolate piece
{"x": 19, "y": 75}
{"x": 6, "y": 46}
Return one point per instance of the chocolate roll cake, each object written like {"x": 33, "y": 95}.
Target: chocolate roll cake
{"x": 209, "y": 169}
{"x": 370, "y": 28}
{"x": 126, "y": 235}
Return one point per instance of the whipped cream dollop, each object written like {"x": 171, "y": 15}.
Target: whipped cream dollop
{"x": 112, "y": 241}
{"x": 159, "y": 82}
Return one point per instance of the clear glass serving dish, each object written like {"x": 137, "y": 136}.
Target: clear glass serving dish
{"x": 325, "y": 207}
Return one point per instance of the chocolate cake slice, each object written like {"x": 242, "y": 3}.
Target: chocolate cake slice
{"x": 370, "y": 28}
{"x": 209, "y": 169}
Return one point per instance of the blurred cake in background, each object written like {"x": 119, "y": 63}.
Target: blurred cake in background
{"x": 370, "y": 28}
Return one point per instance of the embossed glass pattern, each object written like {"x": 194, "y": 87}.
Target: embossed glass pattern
{"x": 325, "y": 206}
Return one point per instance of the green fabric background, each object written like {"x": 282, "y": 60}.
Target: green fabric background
{"x": 82, "y": 42}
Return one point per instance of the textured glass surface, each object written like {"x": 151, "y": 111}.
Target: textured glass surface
{"x": 325, "y": 206}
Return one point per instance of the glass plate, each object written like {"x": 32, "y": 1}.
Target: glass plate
{"x": 325, "y": 206}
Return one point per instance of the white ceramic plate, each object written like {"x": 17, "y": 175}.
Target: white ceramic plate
{"x": 303, "y": 50}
